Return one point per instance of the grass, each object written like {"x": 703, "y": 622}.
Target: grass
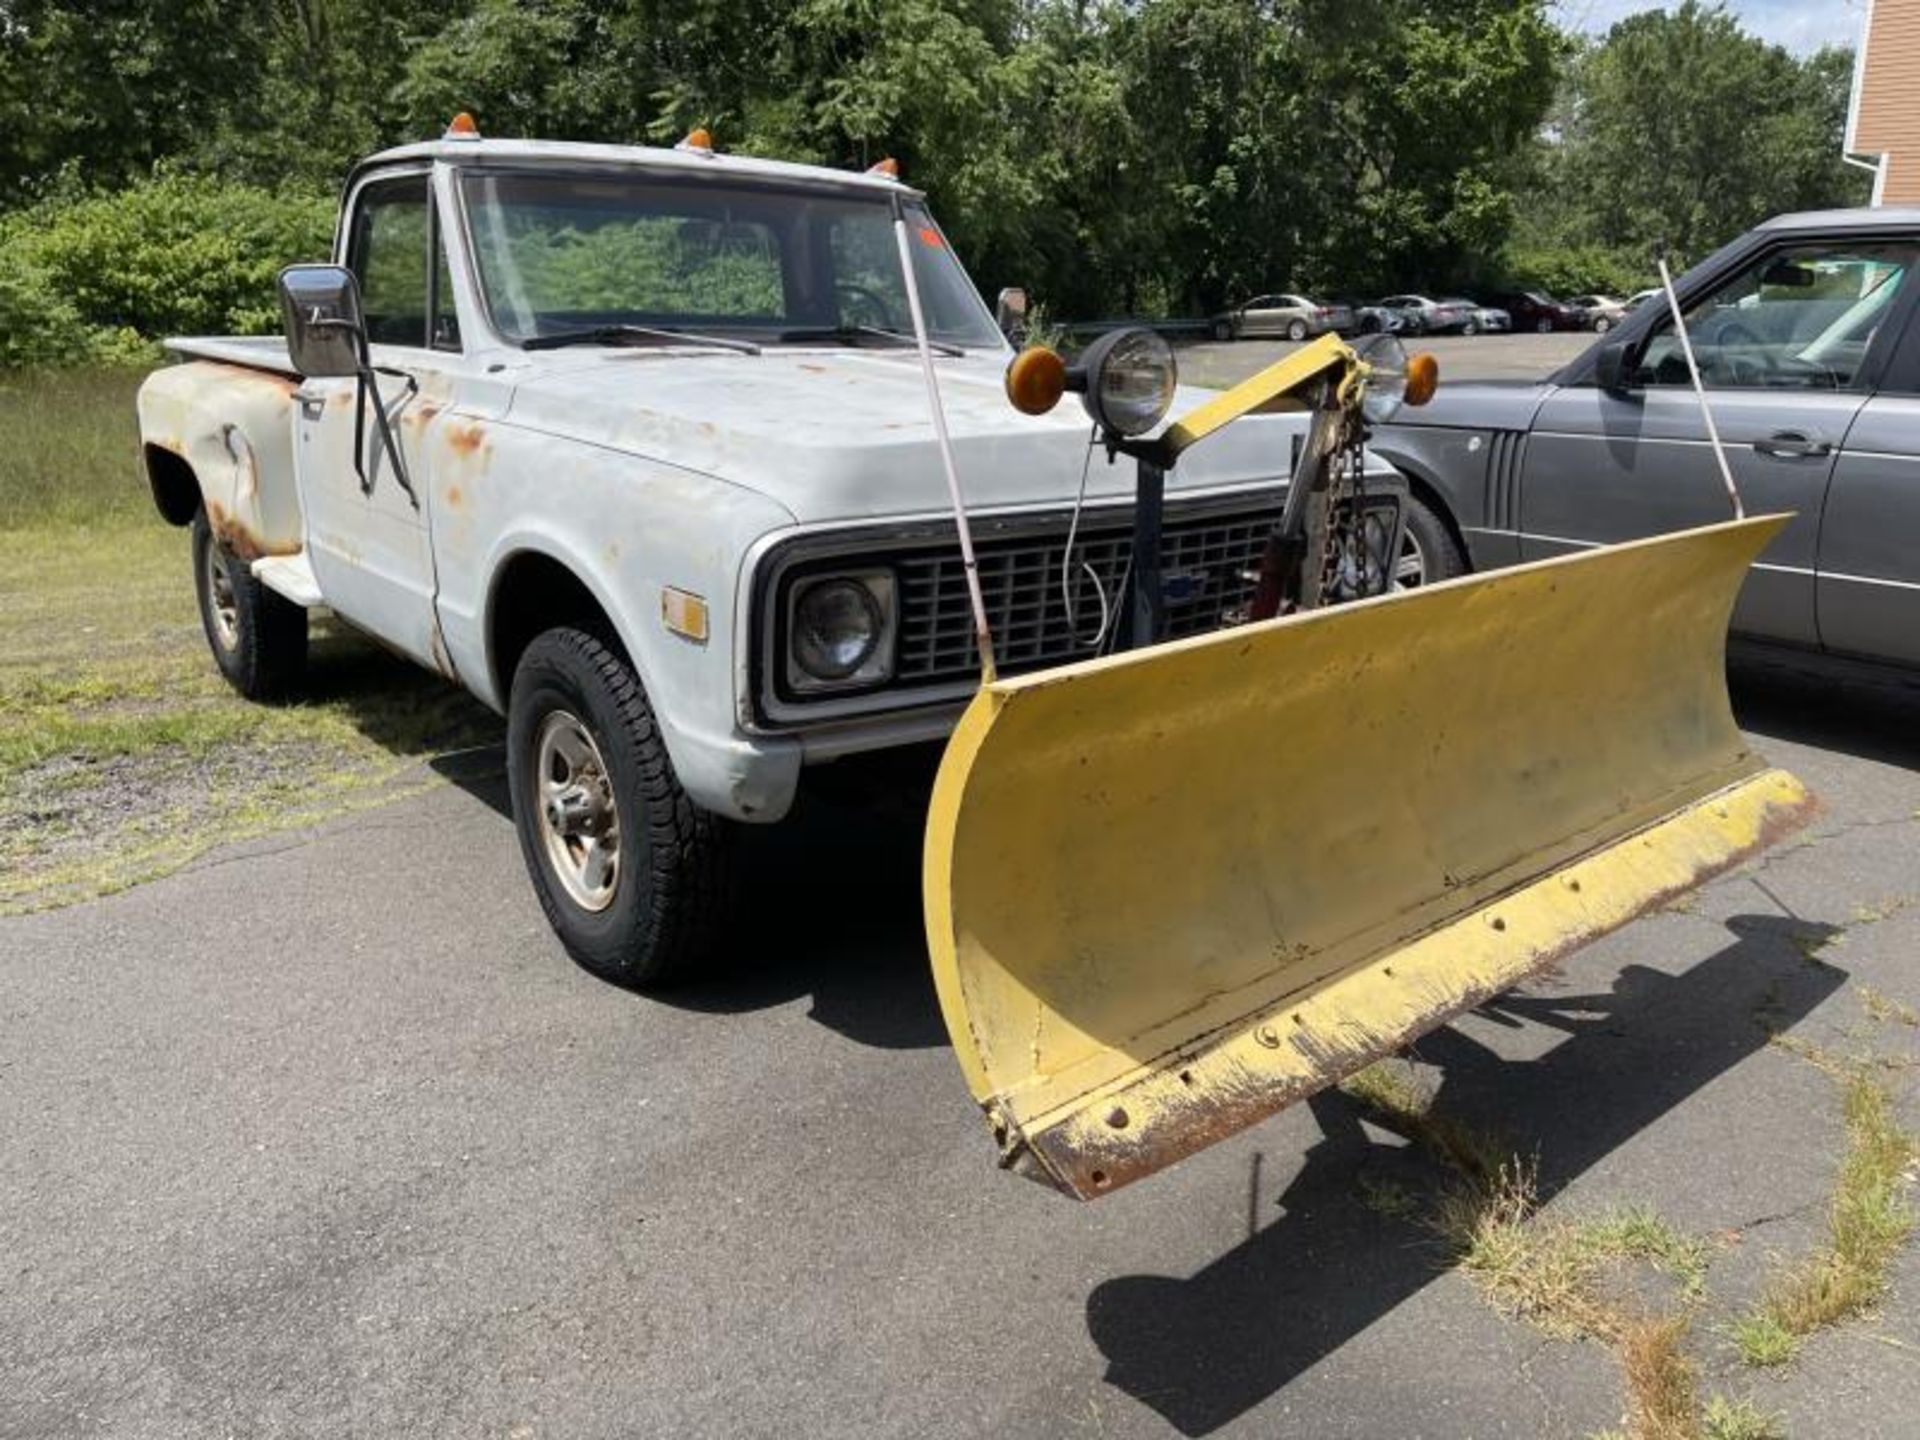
{"x": 69, "y": 448}
{"x": 123, "y": 755}
{"x": 1740, "y": 1420}
{"x": 1869, "y": 1217}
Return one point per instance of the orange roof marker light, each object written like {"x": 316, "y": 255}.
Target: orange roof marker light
{"x": 461, "y": 127}
{"x": 888, "y": 167}
{"x": 698, "y": 142}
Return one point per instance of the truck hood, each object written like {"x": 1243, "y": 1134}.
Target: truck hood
{"x": 837, "y": 434}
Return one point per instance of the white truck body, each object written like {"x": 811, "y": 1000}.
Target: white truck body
{"x": 640, "y": 474}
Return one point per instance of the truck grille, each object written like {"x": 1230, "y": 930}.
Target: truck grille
{"x": 1206, "y": 562}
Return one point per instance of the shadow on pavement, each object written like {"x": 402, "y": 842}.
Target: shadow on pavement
{"x": 829, "y": 903}
{"x": 1205, "y": 1349}
{"x": 831, "y": 909}
{"x": 1873, "y": 714}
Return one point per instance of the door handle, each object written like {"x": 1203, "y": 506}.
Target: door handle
{"x": 1793, "y": 445}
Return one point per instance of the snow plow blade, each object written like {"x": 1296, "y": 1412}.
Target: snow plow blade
{"x": 1171, "y": 892}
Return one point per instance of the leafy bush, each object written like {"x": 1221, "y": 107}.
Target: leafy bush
{"x": 1577, "y": 270}
{"x": 87, "y": 277}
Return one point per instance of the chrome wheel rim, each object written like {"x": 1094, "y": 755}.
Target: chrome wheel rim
{"x": 222, "y": 608}
{"x": 1410, "y": 569}
{"x": 579, "y": 822}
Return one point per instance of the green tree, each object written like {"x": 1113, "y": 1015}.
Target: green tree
{"x": 1681, "y": 126}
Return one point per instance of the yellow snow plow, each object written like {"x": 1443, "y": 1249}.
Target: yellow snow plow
{"x": 1174, "y": 889}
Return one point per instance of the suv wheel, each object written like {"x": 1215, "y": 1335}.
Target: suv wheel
{"x": 1428, "y": 553}
{"x": 258, "y": 638}
{"x": 632, "y": 876}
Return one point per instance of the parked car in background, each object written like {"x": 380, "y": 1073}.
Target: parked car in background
{"x": 1433, "y": 317}
{"x": 1292, "y": 317}
{"x": 1538, "y": 311}
{"x": 1369, "y": 319}
{"x": 1487, "y": 319}
{"x": 1640, "y": 297}
{"x": 1807, "y": 334}
{"x": 1599, "y": 313}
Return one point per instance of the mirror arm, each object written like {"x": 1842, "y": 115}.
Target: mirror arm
{"x": 367, "y": 382}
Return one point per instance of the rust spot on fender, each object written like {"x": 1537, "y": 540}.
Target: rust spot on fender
{"x": 240, "y": 538}
{"x": 466, "y": 438}
{"x": 455, "y": 497}
{"x": 246, "y": 376}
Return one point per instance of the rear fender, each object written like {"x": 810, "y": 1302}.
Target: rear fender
{"x": 225, "y": 432}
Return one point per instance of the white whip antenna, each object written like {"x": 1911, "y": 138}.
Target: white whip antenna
{"x": 982, "y": 634}
{"x": 1693, "y": 369}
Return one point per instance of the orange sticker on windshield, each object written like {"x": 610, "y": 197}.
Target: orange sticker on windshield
{"x": 930, "y": 236}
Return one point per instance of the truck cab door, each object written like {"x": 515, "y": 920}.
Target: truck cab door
{"x": 368, "y": 522}
{"x": 1787, "y": 347}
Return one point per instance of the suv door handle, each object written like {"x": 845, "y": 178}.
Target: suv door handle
{"x": 1793, "y": 445}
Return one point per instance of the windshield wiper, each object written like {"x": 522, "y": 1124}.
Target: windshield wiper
{"x": 633, "y": 334}
{"x": 853, "y": 334}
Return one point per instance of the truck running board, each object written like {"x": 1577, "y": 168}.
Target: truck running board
{"x": 291, "y": 576}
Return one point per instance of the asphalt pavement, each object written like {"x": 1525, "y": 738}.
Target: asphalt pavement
{"x": 326, "y": 1136}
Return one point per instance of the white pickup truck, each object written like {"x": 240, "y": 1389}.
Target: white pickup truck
{"x": 634, "y": 444}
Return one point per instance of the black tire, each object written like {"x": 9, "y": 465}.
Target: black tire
{"x": 258, "y": 638}
{"x": 1601, "y": 324}
{"x": 1543, "y": 326}
{"x": 1370, "y": 325}
{"x": 1296, "y": 330}
{"x": 674, "y": 861}
{"x": 1472, "y": 327}
{"x": 1222, "y": 330}
{"x": 1440, "y": 556}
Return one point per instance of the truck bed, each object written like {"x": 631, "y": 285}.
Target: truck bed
{"x": 256, "y": 352}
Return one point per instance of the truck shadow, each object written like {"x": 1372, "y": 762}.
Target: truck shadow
{"x": 830, "y": 908}
{"x": 1204, "y": 1349}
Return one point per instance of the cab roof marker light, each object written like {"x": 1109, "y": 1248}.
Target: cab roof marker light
{"x": 888, "y": 168}
{"x": 461, "y": 127}
{"x": 697, "y": 142}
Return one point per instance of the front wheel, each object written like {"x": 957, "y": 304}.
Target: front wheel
{"x": 1472, "y": 327}
{"x": 632, "y": 876}
{"x": 1543, "y": 326}
{"x": 1428, "y": 551}
{"x": 1222, "y": 330}
{"x": 258, "y": 638}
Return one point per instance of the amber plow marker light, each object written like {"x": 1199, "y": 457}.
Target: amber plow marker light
{"x": 1036, "y": 379}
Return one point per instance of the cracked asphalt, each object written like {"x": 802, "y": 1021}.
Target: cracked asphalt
{"x": 325, "y": 1135}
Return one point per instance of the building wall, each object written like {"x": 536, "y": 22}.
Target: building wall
{"x": 1885, "y": 120}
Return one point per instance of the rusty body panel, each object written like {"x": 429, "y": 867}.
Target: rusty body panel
{"x": 233, "y": 425}
{"x": 1170, "y": 892}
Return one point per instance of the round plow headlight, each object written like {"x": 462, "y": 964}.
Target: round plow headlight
{"x": 1396, "y": 378}
{"x": 1128, "y": 377}
{"x": 836, "y": 627}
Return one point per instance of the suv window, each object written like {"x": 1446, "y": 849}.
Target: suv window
{"x": 387, "y": 252}
{"x": 1802, "y": 318}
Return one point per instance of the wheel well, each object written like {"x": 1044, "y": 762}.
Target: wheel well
{"x": 534, "y": 593}
{"x": 176, "y": 489}
{"x": 1430, "y": 497}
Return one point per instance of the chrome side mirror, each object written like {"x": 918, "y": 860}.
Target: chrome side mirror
{"x": 326, "y": 333}
{"x": 1010, "y": 311}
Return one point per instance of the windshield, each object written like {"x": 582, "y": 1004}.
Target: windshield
{"x": 560, "y": 251}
